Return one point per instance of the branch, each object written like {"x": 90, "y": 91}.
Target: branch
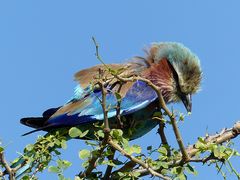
{"x": 92, "y": 162}
{"x": 164, "y": 107}
{"x": 218, "y": 138}
{"x": 132, "y": 158}
{"x": 163, "y": 136}
{"x": 9, "y": 170}
{"x": 109, "y": 168}
{"x": 103, "y": 103}
{"x": 109, "y": 141}
{"x": 118, "y": 109}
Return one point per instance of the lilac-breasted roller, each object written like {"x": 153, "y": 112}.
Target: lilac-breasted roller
{"x": 169, "y": 65}
{"x": 172, "y": 67}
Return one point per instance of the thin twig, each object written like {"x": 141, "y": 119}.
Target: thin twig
{"x": 97, "y": 53}
{"x": 163, "y": 137}
{"x": 206, "y": 159}
{"x": 132, "y": 158}
{"x": 103, "y": 103}
{"x": 118, "y": 109}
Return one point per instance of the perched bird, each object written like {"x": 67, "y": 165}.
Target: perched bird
{"x": 169, "y": 65}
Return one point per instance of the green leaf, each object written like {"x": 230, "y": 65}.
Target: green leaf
{"x": 29, "y": 147}
{"x": 74, "y": 132}
{"x": 110, "y": 163}
{"x": 1, "y": 149}
{"x": 181, "y": 176}
{"x": 112, "y": 71}
{"x": 190, "y": 169}
{"x": 216, "y": 152}
{"x": 56, "y": 152}
{"x": 116, "y": 133}
{"x": 117, "y": 162}
{"x": 84, "y": 154}
{"x": 64, "y": 144}
{"x": 176, "y": 170}
{"x": 85, "y": 164}
{"x": 163, "y": 151}
{"x": 149, "y": 148}
{"x": 121, "y": 174}
{"x": 201, "y": 139}
{"x": 157, "y": 114}
{"x": 51, "y": 144}
{"x": 181, "y": 117}
{"x": 125, "y": 143}
{"x": 100, "y": 133}
{"x": 77, "y": 178}
{"x": 128, "y": 149}
{"x": 118, "y": 96}
{"x": 164, "y": 165}
{"x": 84, "y": 134}
{"x": 63, "y": 164}
{"x": 53, "y": 169}
{"x": 200, "y": 145}
{"x": 61, "y": 177}
{"x": 25, "y": 177}
{"x": 136, "y": 149}
{"x": 136, "y": 174}
{"x": 165, "y": 171}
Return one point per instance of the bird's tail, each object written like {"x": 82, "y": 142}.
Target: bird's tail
{"x": 38, "y": 123}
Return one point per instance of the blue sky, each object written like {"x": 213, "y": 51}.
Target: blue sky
{"x": 43, "y": 43}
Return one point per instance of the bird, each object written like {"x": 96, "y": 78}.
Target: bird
{"x": 170, "y": 66}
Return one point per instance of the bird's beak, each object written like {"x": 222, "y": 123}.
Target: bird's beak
{"x": 187, "y": 101}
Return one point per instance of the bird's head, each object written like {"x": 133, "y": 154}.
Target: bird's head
{"x": 175, "y": 70}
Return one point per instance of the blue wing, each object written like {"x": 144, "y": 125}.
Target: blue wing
{"x": 88, "y": 108}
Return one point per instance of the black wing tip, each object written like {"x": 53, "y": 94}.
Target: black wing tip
{"x": 34, "y": 122}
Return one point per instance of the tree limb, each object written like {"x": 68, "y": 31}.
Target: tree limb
{"x": 224, "y": 136}
{"x": 219, "y": 138}
{"x": 134, "y": 159}
{"x": 9, "y": 170}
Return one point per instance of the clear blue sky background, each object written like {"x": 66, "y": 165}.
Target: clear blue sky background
{"x": 43, "y": 43}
